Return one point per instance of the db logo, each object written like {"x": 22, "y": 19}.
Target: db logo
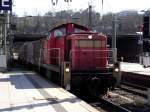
{"x": 5, "y": 4}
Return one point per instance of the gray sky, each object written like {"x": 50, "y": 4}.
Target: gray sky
{"x": 33, "y": 7}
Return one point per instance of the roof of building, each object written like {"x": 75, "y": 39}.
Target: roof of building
{"x": 28, "y": 37}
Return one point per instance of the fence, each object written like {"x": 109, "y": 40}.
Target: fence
{"x": 50, "y": 56}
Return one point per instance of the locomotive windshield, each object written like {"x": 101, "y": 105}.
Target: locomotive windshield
{"x": 90, "y": 43}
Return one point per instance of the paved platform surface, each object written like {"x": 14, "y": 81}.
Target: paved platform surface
{"x": 134, "y": 68}
{"x": 24, "y": 91}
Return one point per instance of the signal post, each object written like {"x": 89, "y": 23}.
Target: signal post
{"x": 5, "y": 9}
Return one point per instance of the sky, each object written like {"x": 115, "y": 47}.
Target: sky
{"x": 35, "y": 7}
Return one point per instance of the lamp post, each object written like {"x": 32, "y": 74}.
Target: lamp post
{"x": 25, "y": 22}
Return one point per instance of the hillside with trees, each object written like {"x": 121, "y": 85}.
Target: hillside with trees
{"x": 128, "y": 22}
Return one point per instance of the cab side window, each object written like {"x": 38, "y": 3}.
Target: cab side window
{"x": 60, "y": 32}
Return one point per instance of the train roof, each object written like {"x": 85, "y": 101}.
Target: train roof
{"x": 67, "y": 24}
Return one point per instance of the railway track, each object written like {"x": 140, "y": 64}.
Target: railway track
{"x": 126, "y": 98}
{"x": 106, "y": 106}
{"x": 130, "y": 98}
{"x": 134, "y": 78}
{"x": 113, "y": 106}
{"x": 134, "y": 86}
{"x": 135, "y": 89}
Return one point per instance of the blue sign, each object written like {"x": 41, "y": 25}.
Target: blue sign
{"x": 5, "y": 4}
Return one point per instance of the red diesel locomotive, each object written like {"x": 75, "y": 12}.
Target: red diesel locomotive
{"x": 73, "y": 57}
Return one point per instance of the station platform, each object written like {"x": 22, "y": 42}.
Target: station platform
{"x": 134, "y": 68}
{"x": 136, "y": 74}
{"x": 25, "y": 91}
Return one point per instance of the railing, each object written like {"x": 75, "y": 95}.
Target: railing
{"x": 81, "y": 59}
{"x": 92, "y": 59}
{"x": 50, "y": 56}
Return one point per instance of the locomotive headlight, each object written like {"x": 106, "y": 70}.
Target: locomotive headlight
{"x": 67, "y": 70}
{"x": 90, "y": 36}
{"x": 116, "y": 69}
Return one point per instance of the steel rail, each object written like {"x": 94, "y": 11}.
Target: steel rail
{"x": 114, "y": 106}
{"x": 135, "y": 89}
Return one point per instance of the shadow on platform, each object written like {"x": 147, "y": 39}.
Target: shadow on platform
{"x": 26, "y": 80}
{"x": 54, "y": 103}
